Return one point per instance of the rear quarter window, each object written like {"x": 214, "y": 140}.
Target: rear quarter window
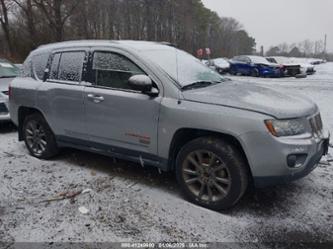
{"x": 26, "y": 70}
{"x": 55, "y": 67}
{"x": 39, "y": 65}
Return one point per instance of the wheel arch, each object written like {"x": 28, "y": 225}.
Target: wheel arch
{"x": 23, "y": 112}
{"x": 185, "y": 135}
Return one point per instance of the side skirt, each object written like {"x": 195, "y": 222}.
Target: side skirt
{"x": 144, "y": 159}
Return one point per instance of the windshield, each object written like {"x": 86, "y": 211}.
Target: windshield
{"x": 258, "y": 60}
{"x": 182, "y": 67}
{"x": 8, "y": 70}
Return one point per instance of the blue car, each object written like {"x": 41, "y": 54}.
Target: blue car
{"x": 255, "y": 66}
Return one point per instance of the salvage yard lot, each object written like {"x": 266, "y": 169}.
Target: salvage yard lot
{"x": 126, "y": 202}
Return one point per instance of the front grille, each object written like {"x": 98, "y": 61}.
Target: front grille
{"x": 316, "y": 124}
{"x": 3, "y": 108}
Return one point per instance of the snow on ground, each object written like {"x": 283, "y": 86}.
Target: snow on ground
{"x": 131, "y": 203}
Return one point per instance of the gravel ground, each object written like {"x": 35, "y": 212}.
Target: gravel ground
{"x": 126, "y": 202}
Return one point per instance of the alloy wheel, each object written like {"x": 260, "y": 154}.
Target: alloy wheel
{"x": 206, "y": 176}
{"x": 36, "y": 138}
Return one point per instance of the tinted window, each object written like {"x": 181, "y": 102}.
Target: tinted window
{"x": 242, "y": 59}
{"x": 54, "y": 67}
{"x": 113, "y": 70}
{"x": 237, "y": 58}
{"x": 40, "y": 62}
{"x": 247, "y": 60}
{"x": 71, "y": 64}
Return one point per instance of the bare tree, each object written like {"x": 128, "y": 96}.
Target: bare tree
{"x": 57, "y": 13}
{"x": 27, "y": 8}
{"x": 187, "y": 23}
{"x": 5, "y": 6}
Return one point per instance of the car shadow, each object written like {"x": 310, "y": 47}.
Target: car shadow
{"x": 7, "y": 127}
{"x": 148, "y": 176}
{"x": 256, "y": 202}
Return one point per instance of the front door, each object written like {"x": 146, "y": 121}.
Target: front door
{"x": 118, "y": 118}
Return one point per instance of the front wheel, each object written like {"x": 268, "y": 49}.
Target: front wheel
{"x": 38, "y": 137}
{"x": 212, "y": 173}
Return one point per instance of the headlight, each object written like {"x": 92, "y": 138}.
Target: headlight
{"x": 284, "y": 128}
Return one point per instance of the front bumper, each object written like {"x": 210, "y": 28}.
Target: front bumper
{"x": 272, "y": 73}
{"x": 268, "y": 157}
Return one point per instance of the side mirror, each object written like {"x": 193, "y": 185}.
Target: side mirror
{"x": 143, "y": 83}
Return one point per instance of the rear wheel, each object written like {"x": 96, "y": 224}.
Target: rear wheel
{"x": 38, "y": 137}
{"x": 212, "y": 173}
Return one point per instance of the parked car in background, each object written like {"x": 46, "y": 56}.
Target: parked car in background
{"x": 255, "y": 66}
{"x": 289, "y": 68}
{"x": 8, "y": 72}
{"x": 315, "y": 61}
{"x": 121, "y": 99}
{"x": 209, "y": 63}
{"x": 306, "y": 67}
{"x": 222, "y": 65}
{"x": 19, "y": 66}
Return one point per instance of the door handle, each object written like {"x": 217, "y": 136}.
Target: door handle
{"x": 95, "y": 98}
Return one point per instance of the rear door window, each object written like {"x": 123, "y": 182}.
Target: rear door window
{"x": 67, "y": 66}
{"x": 71, "y": 64}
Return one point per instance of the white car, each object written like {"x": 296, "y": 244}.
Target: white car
{"x": 306, "y": 67}
{"x": 290, "y": 68}
{"x": 222, "y": 65}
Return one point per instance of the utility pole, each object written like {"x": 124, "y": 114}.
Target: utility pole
{"x": 262, "y": 51}
{"x": 325, "y": 46}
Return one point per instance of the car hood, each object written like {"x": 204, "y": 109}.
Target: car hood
{"x": 255, "y": 98}
{"x": 222, "y": 65}
{"x": 306, "y": 65}
{"x": 4, "y": 84}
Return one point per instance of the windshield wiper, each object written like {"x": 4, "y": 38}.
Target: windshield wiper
{"x": 200, "y": 84}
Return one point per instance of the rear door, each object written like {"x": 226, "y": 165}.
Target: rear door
{"x": 61, "y": 96}
{"x": 118, "y": 118}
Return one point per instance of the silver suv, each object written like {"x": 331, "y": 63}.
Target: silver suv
{"x": 156, "y": 105}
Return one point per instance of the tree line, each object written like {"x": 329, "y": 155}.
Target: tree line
{"x": 26, "y": 24}
{"x": 306, "y": 48}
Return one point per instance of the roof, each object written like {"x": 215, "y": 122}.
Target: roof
{"x": 125, "y": 44}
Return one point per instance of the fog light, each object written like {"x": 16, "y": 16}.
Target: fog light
{"x": 296, "y": 160}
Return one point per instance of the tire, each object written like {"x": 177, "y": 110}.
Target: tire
{"x": 38, "y": 137}
{"x": 226, "y": 175}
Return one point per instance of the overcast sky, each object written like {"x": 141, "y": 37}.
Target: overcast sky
{"x": 273, "y": 22}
